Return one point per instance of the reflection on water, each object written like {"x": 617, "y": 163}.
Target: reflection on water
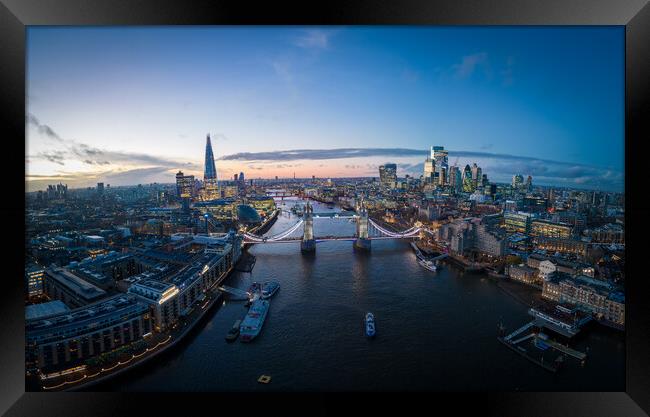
{"x": 435, "y": 331}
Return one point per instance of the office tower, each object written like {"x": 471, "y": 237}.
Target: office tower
{"x": 241, "y": 177}
{"x": 529, "y": 184}
{"x": 235, "y": 177}
{"x": 455, "y": 179}
{"x": 184, "y": 185}
{"x": 517, "y": 181}
{"x": 388, "y": 175}
{"x": 484, "y": 180}
{"x": 100, "y": 187}
{"x": 440, "y": 156}
{"x": 429, "y": 170}
{"x": 441, "y": 176}
{"x": 468, "y": 182}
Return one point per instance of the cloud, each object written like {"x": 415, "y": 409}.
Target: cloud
{"x": 319, "y": 154}
{"x": 469, "y": 64}
{"x": 90, "y": 155}
{"x": 42, "y": 128}
{"x": 499, "y": 167}
{"x": 314, "y": 39}
{"x": 55, "y": 156}
{"x": 91, "y": 162}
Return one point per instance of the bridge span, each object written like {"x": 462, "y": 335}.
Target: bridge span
{"x": 367, "y": 230}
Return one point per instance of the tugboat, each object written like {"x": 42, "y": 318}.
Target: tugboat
{"x": 233, "y": 332}
{"x": 370, "y": 325}
{"x": 269, "y": 288}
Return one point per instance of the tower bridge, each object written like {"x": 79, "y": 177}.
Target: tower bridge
{"x": 367, "y": 230}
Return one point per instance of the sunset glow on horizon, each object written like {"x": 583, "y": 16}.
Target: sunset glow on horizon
{"x": 130, "y": 105}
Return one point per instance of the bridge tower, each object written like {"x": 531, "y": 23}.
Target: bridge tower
{"x": 308, "y": 244}
{"x": 363, "y": 240}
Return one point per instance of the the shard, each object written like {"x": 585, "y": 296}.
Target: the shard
{"x": 210, "y": 173}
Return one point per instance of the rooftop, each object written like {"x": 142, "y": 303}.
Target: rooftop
{"x": 74, "y": 283}
{"x": 50, "y": 308}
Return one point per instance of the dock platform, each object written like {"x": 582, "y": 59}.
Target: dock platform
{"x": 552, "y": 367}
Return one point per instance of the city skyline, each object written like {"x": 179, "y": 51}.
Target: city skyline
{"x": 126, "y": 106}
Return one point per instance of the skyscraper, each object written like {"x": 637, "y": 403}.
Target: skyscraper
{"x": 210, "y": 184}
{"x": 517, "y": 181}
{"x": 210, "y": 169}
{"x": 468, "y": 181}
{"x": 474, "y": 172}
{"x": 184, "y": 185}
{"x": 478, "y": 182}
{"x": 429, "y": 170}
{"x": 388, "y": 175}
{"x": 455, "y": 179}
{"x": 440, "y": 155}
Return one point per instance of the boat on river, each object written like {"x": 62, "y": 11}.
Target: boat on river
{"x": 427, "y": 265}
{"x": 269, "y": 288}
{"x": 252, "y": 324}
{"x": 370, "y": 325}
{"x": 233, "y": 332}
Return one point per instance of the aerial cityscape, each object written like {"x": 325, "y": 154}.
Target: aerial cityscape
{"x": 483, "y": 248}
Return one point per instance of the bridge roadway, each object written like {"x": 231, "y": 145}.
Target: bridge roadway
{"x": 331, "y": 238}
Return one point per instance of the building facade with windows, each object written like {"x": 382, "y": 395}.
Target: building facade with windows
{"x": 62, "y": 284}
{"x": 70, "y": 337}
{"x": 548, "y": 228}
{"x": 523, "y": 273}
{"x": 34, "y": 276}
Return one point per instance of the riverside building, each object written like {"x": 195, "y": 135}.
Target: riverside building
{"x": 68, "y": 338}
{"x": 74, "y": 291}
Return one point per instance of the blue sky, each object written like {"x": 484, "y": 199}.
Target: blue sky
{"x": 132, "y": 105}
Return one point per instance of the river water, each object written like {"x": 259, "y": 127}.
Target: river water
{"x": 435, "y": 331}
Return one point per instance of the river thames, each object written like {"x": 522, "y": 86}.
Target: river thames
{"x": 435, "y": 330}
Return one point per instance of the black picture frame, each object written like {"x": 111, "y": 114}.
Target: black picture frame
{"x": 15, "y": 15}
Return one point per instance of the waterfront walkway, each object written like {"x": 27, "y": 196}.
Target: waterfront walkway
{"x": 156, "y": 344}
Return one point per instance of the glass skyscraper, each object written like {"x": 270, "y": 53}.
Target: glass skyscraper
{"x": 210, "y": 169}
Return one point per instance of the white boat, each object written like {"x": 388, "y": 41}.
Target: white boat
{"x": 269, "y": 288}
{"x": 427, "y": 265}
{"x": 252, "y": 324}
{"x": 370, "y": 325}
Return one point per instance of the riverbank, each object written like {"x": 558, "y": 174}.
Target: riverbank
{"x": 168, "y": 346}
{"x": 267, "y": 224}
{"x": 157, "y": 344}
{"x": 464, "y": 265}
{"x": 524, "y": 294}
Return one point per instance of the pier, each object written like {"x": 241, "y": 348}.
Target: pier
{"x": 556, "y": 320}
{"x": 235, "y": 293}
